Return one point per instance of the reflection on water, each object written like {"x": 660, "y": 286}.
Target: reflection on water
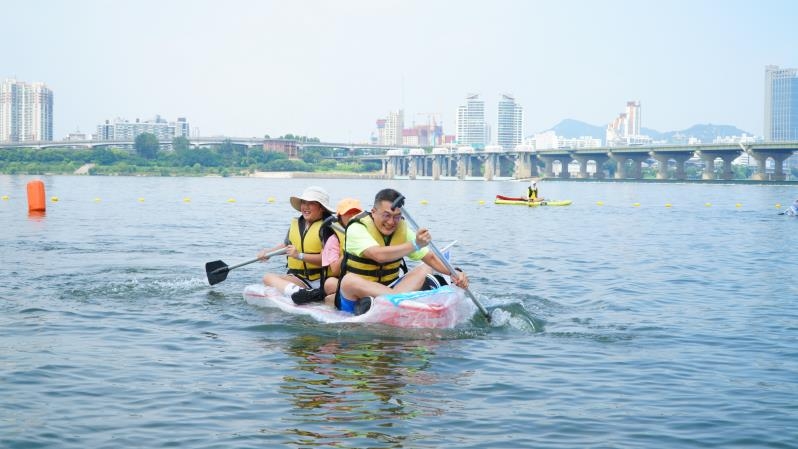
{"x": 341, "y": 383}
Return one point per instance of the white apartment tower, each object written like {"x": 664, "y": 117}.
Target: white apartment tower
{"x": 26, "y": 112}
{"x": 510, "y": 123}
{"x": 471, "y": 127}
{"x": 394, "y": 125}
{"x": 632, "y": 118}
{"x": 625, "y": 129}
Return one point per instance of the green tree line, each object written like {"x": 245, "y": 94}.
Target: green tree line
{"x": 148, "y": 159}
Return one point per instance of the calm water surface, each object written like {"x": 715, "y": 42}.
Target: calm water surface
{"x": 614, "y": 325}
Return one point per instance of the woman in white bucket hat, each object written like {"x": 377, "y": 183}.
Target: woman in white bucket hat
{"x": 304, "y": 243}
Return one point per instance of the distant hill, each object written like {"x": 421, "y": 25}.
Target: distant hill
{"x": 707, "y": 133}
{"x": 572, "y": 129}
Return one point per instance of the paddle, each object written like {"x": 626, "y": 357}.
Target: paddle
{"x": 217, "y": 270}
{"x": 400, "y": 202}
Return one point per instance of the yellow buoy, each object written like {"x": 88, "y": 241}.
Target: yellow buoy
{"x": 599, "y": 203}
{"x": 636, "y": 204}
{"x": 778, "y": 205}
{"x": 54, "y": 199}
{"x": 423, "y": 201}
{"x": 5, "y": 197}
{"x": 270, "y": 199}
{"x": 141, "y": 200}
{"x": 187, "y": 200}
{"x": 708, "y": 204}
{"x": 668, "y": 205}
{"x": 96, "y": 200}
{"x": 481, "y": 201}
{"x": 738, "y": 205}
{"x": 231, "y": 200}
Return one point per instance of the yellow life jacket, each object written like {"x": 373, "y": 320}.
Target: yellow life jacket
{"x": 341, "y": 240}
{"x": 384, "y": 273}
{"x": 307, "y": 241}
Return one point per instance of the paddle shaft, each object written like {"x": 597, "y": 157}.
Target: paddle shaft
{"x": 440, "y": 256}
{"x": 270, "y": 254}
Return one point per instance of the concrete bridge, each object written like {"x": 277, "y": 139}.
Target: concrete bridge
{"x": 521, "y": 162}
{"x": 525, "y": 162}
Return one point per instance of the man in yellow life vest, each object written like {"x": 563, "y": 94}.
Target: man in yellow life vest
{"x": 304, "y": 246}
{"x": 376, "y": 243}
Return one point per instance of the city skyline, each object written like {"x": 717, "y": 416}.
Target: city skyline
{"x": 317, "y": 68}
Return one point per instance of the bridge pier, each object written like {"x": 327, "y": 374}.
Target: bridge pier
{"x": 662, "y": 159}
{"x": 583, "y": 160}
{"x": 549, "y": 161}
{"x": 709, "y": 163}
{"x": 726, "y": 172}
{"x": 463, "y": 166}
{"x": 636, "y": 168}
{"x": 761, "y": 158}
{"x": 525, "y": 165}
{"x": 488, "y": 168}
{"x": 492, "y": 166}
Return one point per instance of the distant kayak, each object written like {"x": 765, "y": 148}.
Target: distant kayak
{"x": 443, "y": 307}
{"x": 522, "y": 201}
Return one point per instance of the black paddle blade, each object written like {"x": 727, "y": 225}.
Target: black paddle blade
{"x": 217, "y": 271}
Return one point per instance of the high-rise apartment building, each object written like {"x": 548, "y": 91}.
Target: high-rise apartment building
{"x": 781, "y": 104}
{"x": 471, "y": 127}
{"x": 394, "y": 126}
{"x": 625, "y": 129}
{"x": 26, "y": 112}
{"x": 632, "y": 118}
{"x": 510, "y": 129}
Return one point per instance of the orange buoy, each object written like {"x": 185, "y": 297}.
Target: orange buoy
{"x": 36, "y": 201}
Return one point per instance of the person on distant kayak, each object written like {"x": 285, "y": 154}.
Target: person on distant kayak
{"x": 304, "y": 243}
{"x": 376, "y": 244}
{"x": 532, "y": 191}
{"x": 793, "y": 210}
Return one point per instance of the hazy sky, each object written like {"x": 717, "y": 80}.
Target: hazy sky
{"x": 329, "y": 69}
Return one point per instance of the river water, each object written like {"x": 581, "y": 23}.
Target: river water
{"x": 617, "y": 321}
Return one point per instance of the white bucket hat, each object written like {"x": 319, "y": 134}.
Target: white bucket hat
{"x": 313, "y": 193}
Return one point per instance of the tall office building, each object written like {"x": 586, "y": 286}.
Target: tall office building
{"x": 781, "y": 104}
{"x": 510, "y": 128}
{"x": 471, "y": 127}
{"x": 26, "y": 112}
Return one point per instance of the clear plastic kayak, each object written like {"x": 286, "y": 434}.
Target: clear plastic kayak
{"x": 441, "y": 308}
